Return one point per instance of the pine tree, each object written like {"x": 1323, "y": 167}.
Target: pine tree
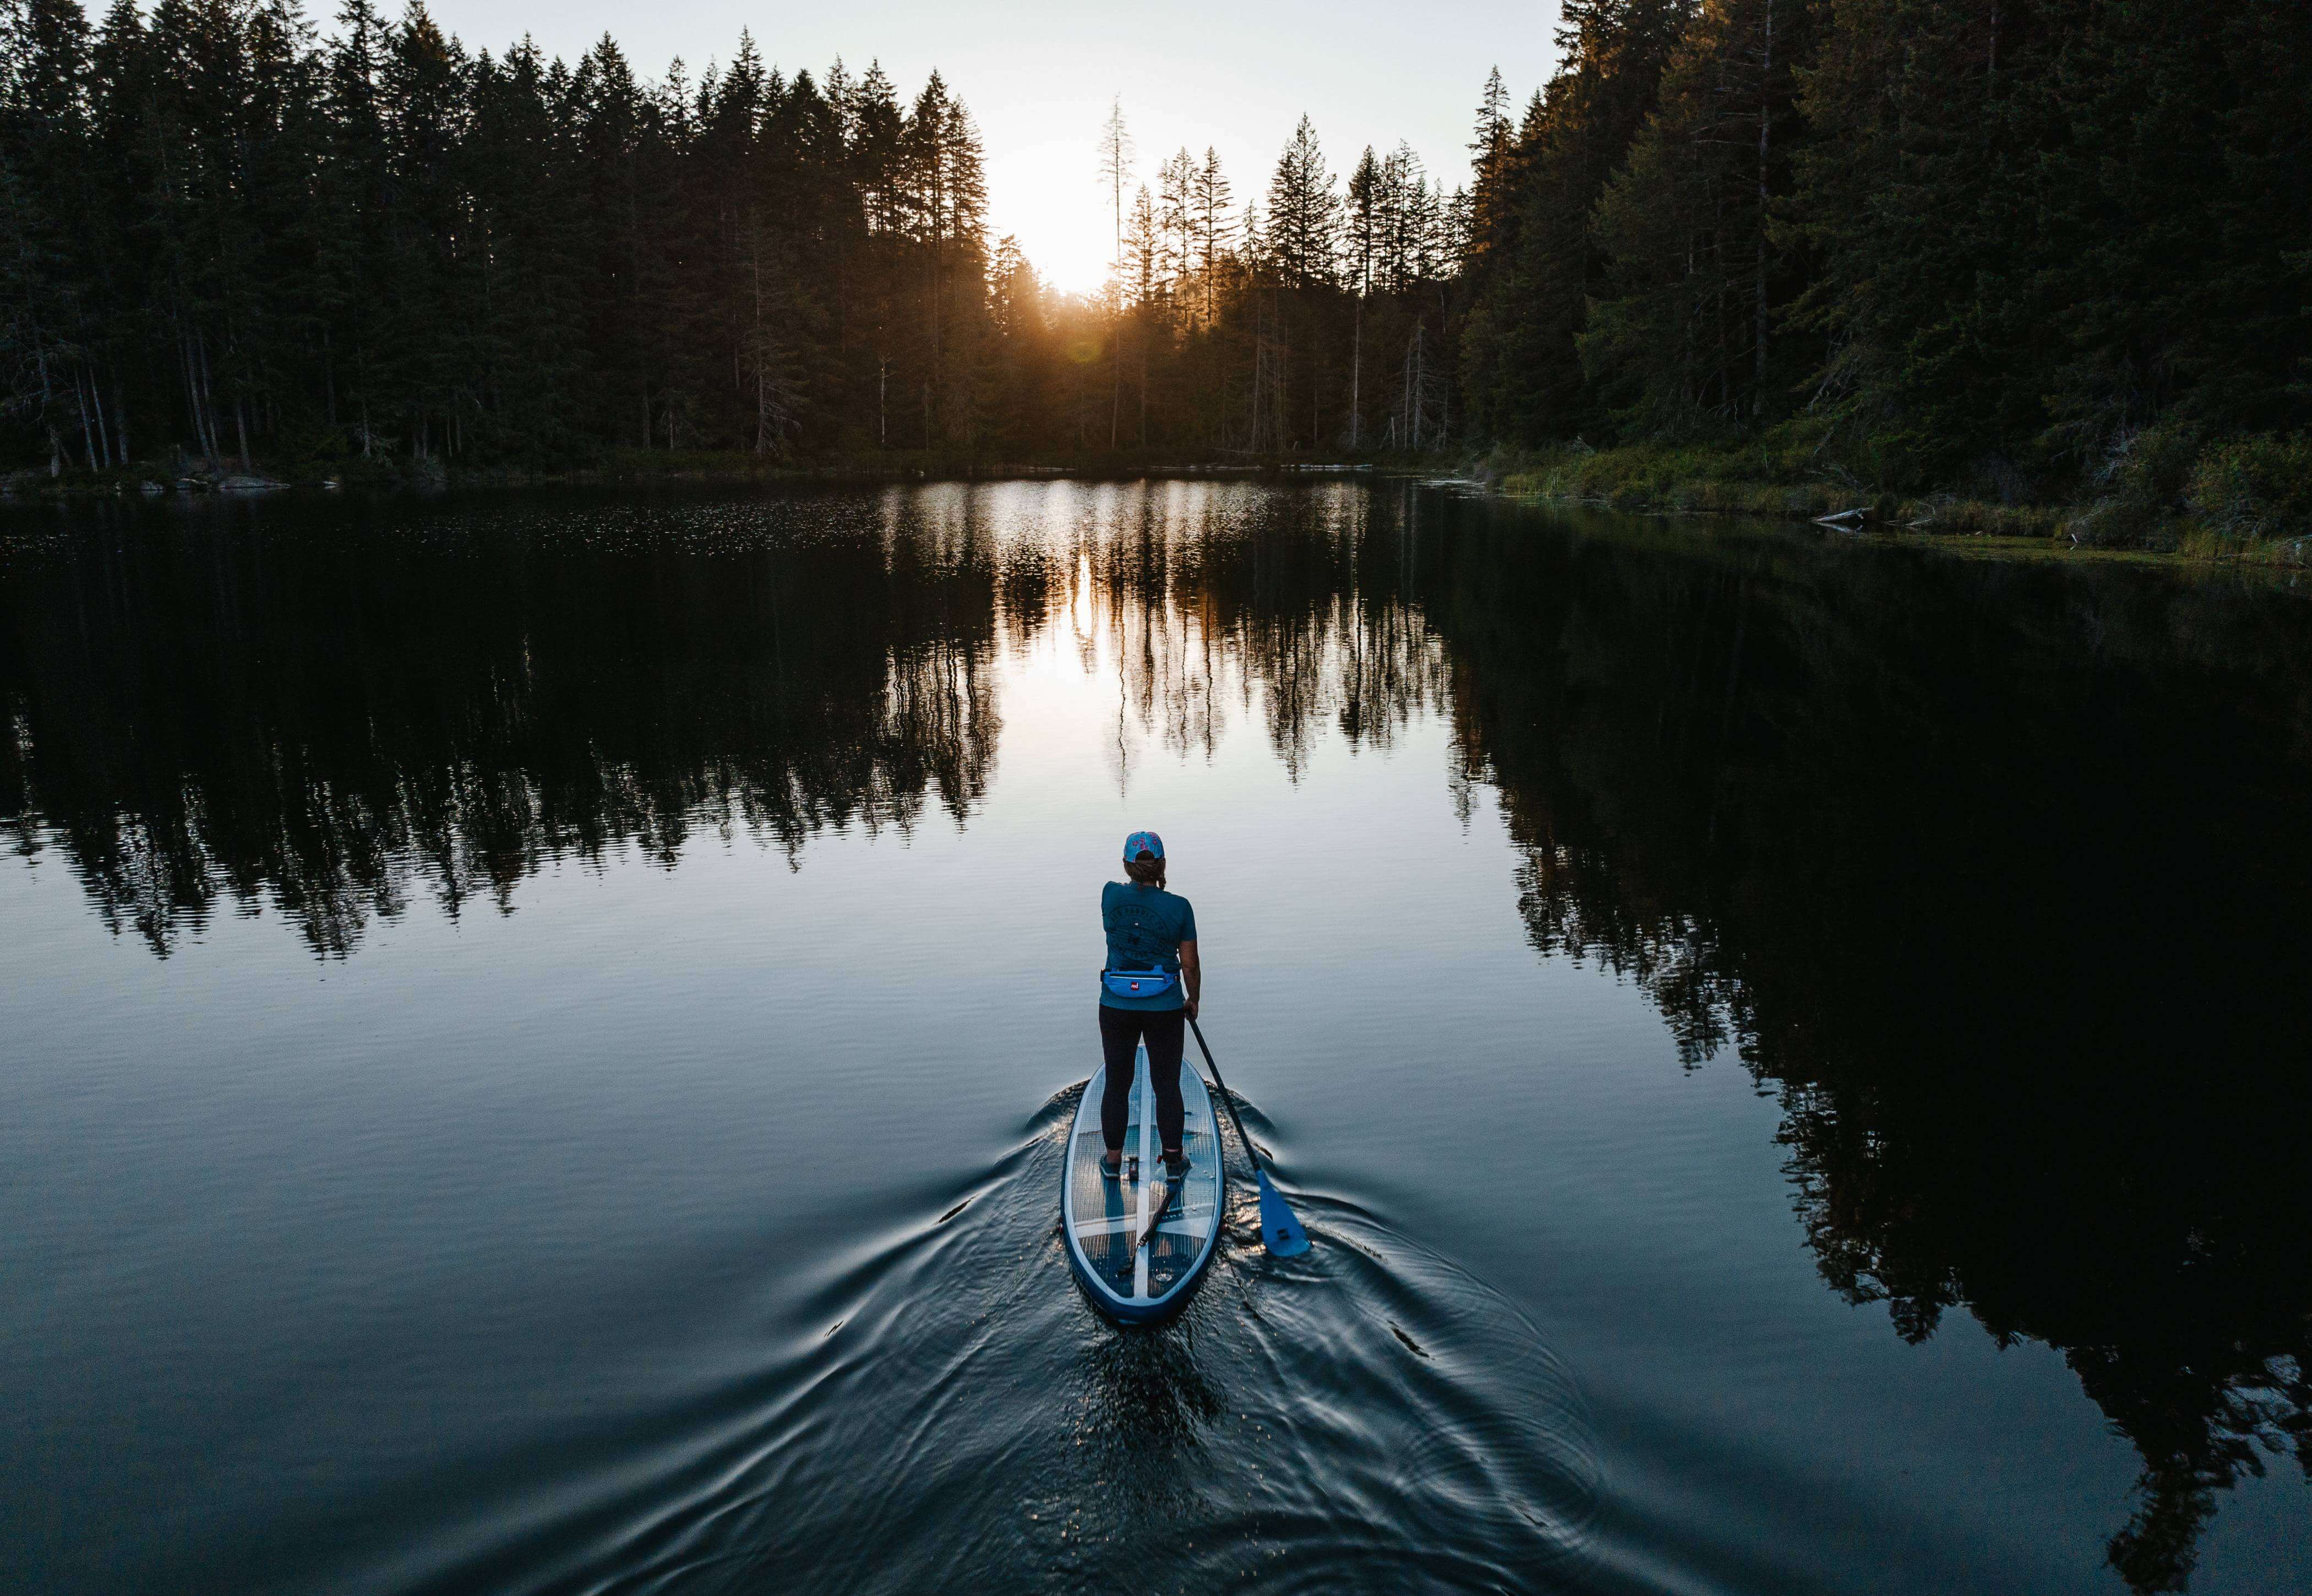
{"x": 1209, "y": 201}
{"x": 1365, "y": 224}
{"x": 1698, "y": 272}
{"x": 53, "y": 311}
{"x": 1490, "y": 150}
{"x": 356, "y": 263}
{"x": 1408, "y": 244}
{"x": 527, "y": 359}
{"x": 1176, "y": 221}
{"x": 1303, "y": 213}
{"x": 1541, "y": 265}
{"x": 1115, "y": 169}
{"x": 422, "y": 97}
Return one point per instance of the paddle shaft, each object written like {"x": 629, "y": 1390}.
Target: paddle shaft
{"x": 1227, "y": 1099}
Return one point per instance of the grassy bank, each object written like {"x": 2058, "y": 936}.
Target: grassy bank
{"x": 2247, "y": 499}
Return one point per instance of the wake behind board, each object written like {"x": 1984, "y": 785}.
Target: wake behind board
{"x": 1105, "y": 1219}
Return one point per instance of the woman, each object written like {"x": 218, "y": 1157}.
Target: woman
{"x": 1147, "y": 993}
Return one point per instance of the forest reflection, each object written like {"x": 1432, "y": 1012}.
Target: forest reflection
{"x": 1994, "y": 873}
{"x": 1264, "y": 608}
{"x": 242, "y": 713}
{"x": 335, "y": 717}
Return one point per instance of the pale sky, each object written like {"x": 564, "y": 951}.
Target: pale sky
{"x": 1039, "y": 76}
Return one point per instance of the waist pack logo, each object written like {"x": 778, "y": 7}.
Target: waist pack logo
{"x": 1138, "y": 983}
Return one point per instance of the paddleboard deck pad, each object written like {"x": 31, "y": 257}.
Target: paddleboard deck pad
{"x": 1105, "y": 1219}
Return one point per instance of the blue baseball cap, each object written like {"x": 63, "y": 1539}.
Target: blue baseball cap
{"x": 1140, "y": 842}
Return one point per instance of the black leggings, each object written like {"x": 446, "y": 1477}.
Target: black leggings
{"x": 1120, "y": 1030}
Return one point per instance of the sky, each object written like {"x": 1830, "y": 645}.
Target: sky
{"x": 1038, "y": 78}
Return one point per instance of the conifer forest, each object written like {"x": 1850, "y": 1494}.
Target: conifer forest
{"x": 2015, "y": 249}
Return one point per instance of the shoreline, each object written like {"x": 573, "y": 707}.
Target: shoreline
{"x": 1618, "y": 480}
{"x": 187, "y": 479}
{"x": 1647, "y": 481}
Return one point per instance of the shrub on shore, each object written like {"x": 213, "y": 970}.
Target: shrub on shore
{"x": 2254, "y": 490}
{"x": 2162, "y": 489}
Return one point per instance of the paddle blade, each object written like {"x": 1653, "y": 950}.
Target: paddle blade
{"x": 1280, "y": 1232}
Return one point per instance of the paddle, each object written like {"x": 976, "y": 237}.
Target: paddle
{"x": 1155, "y": 1213}
{"x": 1279, "y": 1230}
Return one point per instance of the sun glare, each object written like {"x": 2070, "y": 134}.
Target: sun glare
{"x": 1046, "y": 195}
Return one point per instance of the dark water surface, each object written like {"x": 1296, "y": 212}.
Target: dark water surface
{"x": 535, "y": 1034}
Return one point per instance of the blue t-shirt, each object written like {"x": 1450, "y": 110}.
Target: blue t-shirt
{"x": 1145, "y": 927}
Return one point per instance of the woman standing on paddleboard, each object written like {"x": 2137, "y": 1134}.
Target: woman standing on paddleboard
{"x": 1147, "y": 993}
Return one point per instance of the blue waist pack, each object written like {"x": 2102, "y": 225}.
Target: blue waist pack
{"x": 1138, "y": 983}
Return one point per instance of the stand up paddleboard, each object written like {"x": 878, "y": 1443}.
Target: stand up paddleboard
{"x": 1106, "y": 1220}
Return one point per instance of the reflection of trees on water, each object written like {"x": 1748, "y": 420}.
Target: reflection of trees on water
{"x": 334, "y": 715}
{"x": 1285, "y": 608}
{"x": 211, "y": 714}
{"x": 1996, "y": 873}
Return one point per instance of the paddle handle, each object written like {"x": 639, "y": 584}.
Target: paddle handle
{"x": 1228, "y": 1100}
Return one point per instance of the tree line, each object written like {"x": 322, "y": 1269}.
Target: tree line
{"x": 226, "y": 235}
{"x": 2016, "y": 245}
{"x": 225, "y": 238}
{"x": 1316, "y": 318}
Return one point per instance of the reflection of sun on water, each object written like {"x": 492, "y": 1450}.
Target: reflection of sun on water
{"x": 1079, "y": 610}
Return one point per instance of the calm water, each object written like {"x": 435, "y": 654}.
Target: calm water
{"x": 537, "y": 1030}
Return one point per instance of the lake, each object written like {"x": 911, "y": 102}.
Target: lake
{"x": 538, "y": 1029}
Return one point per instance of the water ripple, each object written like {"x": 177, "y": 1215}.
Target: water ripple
{"x": 1369, "y": 1417}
